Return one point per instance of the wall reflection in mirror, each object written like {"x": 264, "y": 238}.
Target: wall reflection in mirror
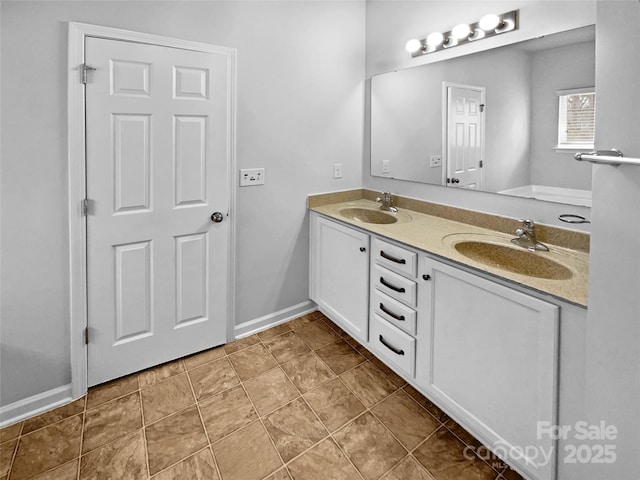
{"x": 487, "y": 121}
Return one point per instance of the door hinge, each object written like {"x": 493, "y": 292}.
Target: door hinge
{"x": 84, "y": 70}
{"x": 86, "y": 335}
{"x": 481, "y": 163}
{"x": 86, "y": 207}
{"x": 482, "y": 105}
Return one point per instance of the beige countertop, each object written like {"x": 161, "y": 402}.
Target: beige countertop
{"x": 438, "y": 236}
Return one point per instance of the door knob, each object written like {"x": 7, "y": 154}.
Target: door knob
{"x": 217, "y": 217}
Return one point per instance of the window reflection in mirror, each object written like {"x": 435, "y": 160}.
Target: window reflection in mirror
{"x": 416, "y": 135}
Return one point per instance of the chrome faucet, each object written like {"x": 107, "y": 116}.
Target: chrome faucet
{"x": 526, "y": 237}
{"x": 386, "y": 202}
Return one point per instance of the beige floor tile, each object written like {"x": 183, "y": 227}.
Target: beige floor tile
{"x": 359, "y": 348}
{"x": 334, "y": 404}
{"x": 274, "y": 331}
{"x": 47, "y": 448}
{"x": 252, "y": 361}
{"x": 298, "y": 323}
{"x": 370, "y": 446}
{"x": 281, "y": 474}
{"x": 204, "y": 357}
{"x": 334, "y": 327}
{"x": 286, "y": 346}
{"x": 408, "y": 469}
{"x": 444, "y": 456}
{"x": 431, "y": 407}
{"x": 294, "y": 428}
{"x": 53, "y": 416}
{"x": 241, "y": 344}
{"x": 270, "y": 390}
{"x": 68, "y": 471}
{"x": 307, "y": 371}
{"x": 111, "y": 420}
{"x": 124, "y": 459}
{"x": 316, "y": 334}
{"x": 213, "y": 377}
{"x": 510, "y": 474}
{"x": 246, "y": 454}
{"x": 407, "y": 420}
{"x": 7, "y": 449}
{"x": 368, "y": 383}
{"x": 11, "y": 432}
{"x": 323, "y": 462}
{"x": 161, "y": 372}
{"x": 397, "y": 380}
{"x": 462, "y": 434}
{"x": 197, "y": 467}
{"x": 174, "y": 438}
{"x": 340, "y": 356}
{"x": 167, "y": 397}
{"x": 111, "y": 390}
{"x": 226, "y": 412}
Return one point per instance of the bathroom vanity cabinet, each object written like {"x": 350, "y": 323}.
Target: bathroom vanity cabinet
{"x": 339, "y": 281}
{"x": 485, "y": 352}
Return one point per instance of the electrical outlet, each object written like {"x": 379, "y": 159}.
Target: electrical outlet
{"x": 435, "y": 161}
{"x": 386, "y": 166}
{"x": 251, "y": 176}
{"x": 337, "y": 170}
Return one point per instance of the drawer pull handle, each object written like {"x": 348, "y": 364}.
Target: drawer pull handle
{"x": 392, "y": 287}
{"x": 391, "y": 314}
{"x": 393, "y": 349}
{"x": 401, "y": 261}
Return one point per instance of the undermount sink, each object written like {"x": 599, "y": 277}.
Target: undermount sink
{"x": 367, "y": 215}
{"x": 516, "y": 260}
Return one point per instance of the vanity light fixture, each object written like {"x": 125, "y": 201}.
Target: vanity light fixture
{"x": 488, "y": 26}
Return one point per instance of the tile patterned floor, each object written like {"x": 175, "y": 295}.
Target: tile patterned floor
{"x": 301, "y": 401}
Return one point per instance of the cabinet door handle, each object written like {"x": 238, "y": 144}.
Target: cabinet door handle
{"x": 392, "y": 287}
{"x": 401, "y": 261}
{"x": 391, "y": 314}
{"x": 362, "y": 249}
{"x": 393, "y": 349}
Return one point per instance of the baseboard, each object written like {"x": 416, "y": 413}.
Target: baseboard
{"x": 262, "y": 323}
{"x": 30, "y": 406}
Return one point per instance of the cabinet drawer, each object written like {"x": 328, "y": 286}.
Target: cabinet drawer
{"x": 396, "y": 258}
{"x": 394, "y": 312}
{"x": 394, "y": 285}
{"x": 394, "y": 345}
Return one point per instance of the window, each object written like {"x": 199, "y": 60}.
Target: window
{"x": 576, "y": 118}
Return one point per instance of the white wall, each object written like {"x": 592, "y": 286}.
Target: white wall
{"x": 391, "y": 23}
{"x": 300, "y": 109}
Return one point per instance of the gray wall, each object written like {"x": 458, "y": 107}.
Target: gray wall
{"x": 552, "y": 72}
{"x": 300, "y": 104}
{"x": 613, "y": 327}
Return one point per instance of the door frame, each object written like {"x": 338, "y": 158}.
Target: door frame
{"x": 78, "y": 315}
{"x": 445, "y": 126}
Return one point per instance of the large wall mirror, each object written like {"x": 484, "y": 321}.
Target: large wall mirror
{"x": 508, "y": 132}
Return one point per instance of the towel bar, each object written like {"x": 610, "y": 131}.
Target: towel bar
{"x": 607, "y": 157}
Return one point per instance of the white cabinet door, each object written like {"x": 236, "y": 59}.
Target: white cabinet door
{"x": 493, "y": 360}
{"x": 340, "y": 274}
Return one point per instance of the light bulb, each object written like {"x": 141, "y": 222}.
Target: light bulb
{"x": 461, "y": 31}
{"x": 434, "y": 39}
{"x": 413, "y": 45}
{"x": 489, "y": 22}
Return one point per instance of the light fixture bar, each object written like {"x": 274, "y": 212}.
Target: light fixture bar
{"x": 488, "y": 26}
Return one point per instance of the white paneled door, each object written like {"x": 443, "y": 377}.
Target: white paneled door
{"x": 465, "y": 136}
{"x": 158, "y": 145}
